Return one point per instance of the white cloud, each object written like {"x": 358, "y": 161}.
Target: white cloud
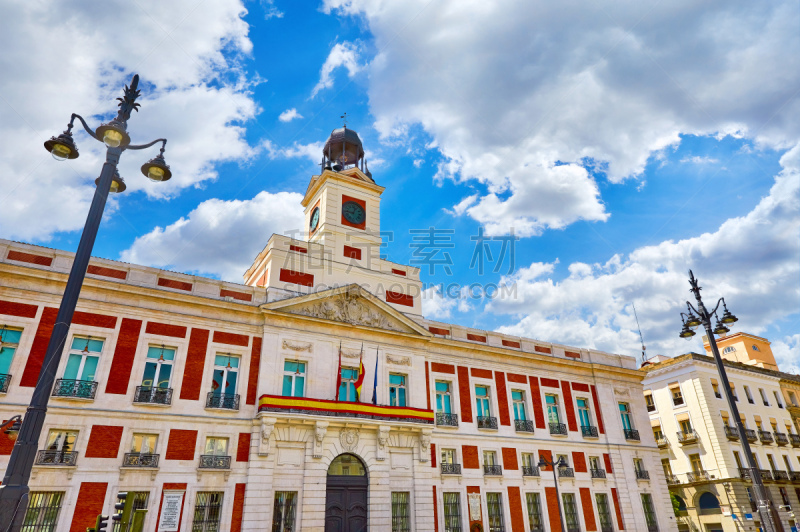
{"x": 753, "y": 261}
{"x": 508, "y": 92}
{"x": 270, "y": 11}
{"x": 193, "y": 93}
{"x": 344, "y": 54}
{"x": 289, "y": 115}
{"x": 787, "y": 353}
{"x": 235, "y": 230}
{"x": 435, "y": 305}
{"x": 698, "y": 159}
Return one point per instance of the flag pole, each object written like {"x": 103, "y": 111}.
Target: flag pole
{"x": 338, "y": 375}
{"x": 375, "y": 381}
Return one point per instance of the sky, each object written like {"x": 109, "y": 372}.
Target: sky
{"x": 609, "y": 146}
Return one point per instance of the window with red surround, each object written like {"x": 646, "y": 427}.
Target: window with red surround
{"x": 291, "y": 276}
{"x": 476, "y": 338}
{"x": 399, "y": 299}
{"x": 171, "y": 283}
{"x": 241, "y": 296}
{"x": 352, "y": 253}
{"x": 511, "y": 343}
{"x": 30, "y": 258}
{"x": 437, "y": 330}
{"x": 107, "y": 272}
{"x": 540, "y": 349}
{"x": 398, "y": 272}
{"x": 297, "y": 249}
{"x": 572, "y": 354}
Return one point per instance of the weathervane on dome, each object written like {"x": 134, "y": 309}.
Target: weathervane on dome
{"x": 344, "y": 119}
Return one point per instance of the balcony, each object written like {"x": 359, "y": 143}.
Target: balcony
{"x": 651, "y": 408}
{"x": 687, "y": 438}
{"x": 794, "y": 476}
{"x": 558, "y": 428}
{"x": 751, "y": 435}
{"x": 567, "y": 472}
{"x": 766, "y": 474}
{"x": 152, "y": 396}
{"x": 140, "y": 460}
{"x": 781, "y": 438}
{"x": 641, "y": 474}
{"x": 765, "y": 436}
{"x": 530, "y": 471}
{"x": 662, "y": 442}
{"x": 495, "y": 470}
{"x": 698, "y": 476}
{"x": 632, "y": 435}
{"x": 672, "y": 479}
{"x": 446, "y": 420}
{"x": 57, "y": 458}
{"x": 225, "y": 402}
{"x": 75, "y": 389}
{"x": 303, "y": 406}
{"x": 731, "y": 432}
{"x": 523, "y": 425}
{"x": 598, "y": 473}
{"x": 677, "y": 401}
{"x": 589, "y": 431}
{"x": 795, "y": 439}
{"x": 451, "y": 469}
{"x": 5, "y": 380}
{"x": 212, "y": 461}
{"x": 745, "y": 473}
{"x": 780, "y": 475}
{"x": 487, "y": 422}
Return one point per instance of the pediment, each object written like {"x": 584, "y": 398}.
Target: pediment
{"x": 350, "y": 304}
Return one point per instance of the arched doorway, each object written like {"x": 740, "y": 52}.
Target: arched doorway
{"x": 346, "y": 495}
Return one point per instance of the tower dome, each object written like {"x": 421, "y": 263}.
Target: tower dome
{"x": 343, "y": 149}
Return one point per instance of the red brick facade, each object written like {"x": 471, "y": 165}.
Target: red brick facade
{"x": 476, "y": 338}
{"x": 91, "y": 497}
{"x": 579, "y": 462}
{"x": 481, "y": 373}
{"x": 241, "y": 296}
{"x": 399, "y": 299}
{"x": 588, "y": 510}
{"x": 104, "y": 441}
{"x": 255, "y": 366}
{"x": 474, "y": 489}
{"x": 30, "y": 258}
{"x": 172, "y": 283}
{"x": 195, "y": 362}
{"x": 94, "y": 320}
{"x": 464, "y": 394}
{"x": 536, "y": 399}
{"x": 617, "y": 510}
{"x": 238, "y": 508}
{"x": 181, "y": 444}
{"x": 221, "y": 337}
{"x": 439, "y": 331}
{"x": 511, "y": 343}
{"x": 107, "y": 272}
{"x": 164, "y": 329}
{"x": 36, "y": 356}
{"x": 469, "y": 453}
{"x": 124, "y": 353}
{"x": 502, "y": 398}
{"x": 435, "y": 511}
{"x": 22, "y": 310}
{"x": 598, "y": 413}
{"x": 510, "y": 459}
{"x": 243, "y": 447}
{"x": 515, "y": 509}
{"x": 607, "y": 460}
{"x": 569, "y": 406}
{"x": 553, "y": 515}
{"x": 352, "y": 253}
{"x": 443, "y": 368}
{"x": 291, "y": 276}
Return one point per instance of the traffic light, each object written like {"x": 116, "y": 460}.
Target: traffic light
{"x": 122, "y": 508}
{"x": 101, "y": 523}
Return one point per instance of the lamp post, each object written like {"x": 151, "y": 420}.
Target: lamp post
{"x": 14, "y": 491}
{"x": 543, "y": 462}
{"x": 694, "y": 317}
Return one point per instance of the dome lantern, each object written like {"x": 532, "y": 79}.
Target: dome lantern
{"x": 343, "y": 149}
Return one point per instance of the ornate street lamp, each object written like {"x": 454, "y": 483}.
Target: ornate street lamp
{"x": 114, "y": 134}
{"x": 694, "y": 317}
{"x": 543, "y": 462}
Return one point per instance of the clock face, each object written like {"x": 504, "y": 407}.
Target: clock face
{"x": 314, "y": 219}
{"x": 353, "y": 213}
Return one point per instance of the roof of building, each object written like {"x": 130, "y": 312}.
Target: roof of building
{"x": 654, "y": 366}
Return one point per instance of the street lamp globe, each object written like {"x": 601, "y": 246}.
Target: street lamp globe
{"x": 727, "y": 317}
{"x": 156, "y": 169}
{"x": 113, "y": 134}
{"x": 62, "y": 147}
{"x": 117, "y": 183}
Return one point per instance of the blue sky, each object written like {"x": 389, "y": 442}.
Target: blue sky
{"x": 624, "y": 145}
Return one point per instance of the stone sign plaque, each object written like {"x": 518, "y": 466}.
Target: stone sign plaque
{"x": 474, "y": 500}
{"x": 170, "y": 511}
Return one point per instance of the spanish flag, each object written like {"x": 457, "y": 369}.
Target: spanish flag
{"x": 360, "y": 379}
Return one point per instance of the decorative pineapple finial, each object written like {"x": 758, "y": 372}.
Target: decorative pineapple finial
{"x": 128, "y": 103}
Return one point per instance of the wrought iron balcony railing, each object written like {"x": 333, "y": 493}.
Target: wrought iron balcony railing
{"x": 698, "y": 476}
{"x": 5, "y": 380}
{"x": 745, "y": 473}
{"x": 686, "y": 438}
{"x": 523, "y": 425}
{"x": 227, "y": 402}
{"x": 731, "y": 432}
{"x": 487, "y": 422}
{"x": 780, "y": 475}
{"x": 781, "y": 438}
{"x": 641, "y": 474}
{"x": 662, "y": 442}
{"x": 672, "y": 479}
{"x": 677, "y": 401}
{"x": 446, "y": 420}
{"x": 58, "y": 458}
{"x": 492, "y": 470}
{"x": 765, "y": 436}
{"x": 751, "y": 435}
{"x": 153, "y": 396}
{"x": 598, "y": 473}
{"x": 558, "y": 428}
{"x": 632, "y": 435}
{"x": 530, "y": 471}
{"x": 76, "y": 389}
{"x": 766, "y": 474}
{"x": 212, "y": 461}
{"x": 794, "y": 476}
{"x": 588, "y": 431}
{"x": 795, "y": 439}
{"x": 651, "y": 408}
{"x": 451, "y": 469}
{"x": 140, "y": 460}
{"x": 566, "y": 472}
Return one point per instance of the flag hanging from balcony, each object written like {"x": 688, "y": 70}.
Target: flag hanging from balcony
{"x": 375, "y": 382}
{"x": 338, "y": 375}
{"x": 360, "y": 380}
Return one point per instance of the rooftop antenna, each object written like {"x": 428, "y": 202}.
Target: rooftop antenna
{"x": 644, "y": 349}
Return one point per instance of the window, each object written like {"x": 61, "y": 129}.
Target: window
{"x": 207, "y": 511}
{"x": 347, "y": 389}
{"x": 748, "y": 395}
{"x": 140, "y": 500}
{"x": 625, "y": 414}
{"x": 738, "y": 459}
{"x": 443, "y": 401}
{"x": 157, "y": 376}
{"x": 397, "y": 389}
{"x": 61, "y": 440}
{"x": 489, "y": 458}
{"x": 284, "y": 511}
{"x": 729, "y": 349}
{"x": 583, "y": 412}
{"x": 638, "y": 464}
{"x": 570, "y": 512}
{"x": 793, "y": 398}
{"x": 83, "y": 358}
{"x": 527, "y": 460}
{"x": 686, "y": 426}
{"x": 784, "y": 496}
{"x": 401, "y": 516}
{"x": 518, "y": 400}
{"x": 216, "y": 446}
{"x": 777, "y": 399}
{"x": 564, "y": 459}
{"x": 651, "y": 404}
{"x": 294, "y": 378}
{"x": 43, "y": 509}
{"x": 452, "y": 512}
{"x": 695, "y": 463}
{"x": 144, "y": 443}
{"x": 603, "y": 511}
{"x": 755, "y": 348}
{"x": 649, "y": 511}
{"x": 482, "y": 401}
{"x": 763, "y": 396}
{"x": 9, "y": 340}
{"x": 594, "y": 462}
{"x": 665, "y": 465}
{"x": 226, "y": 373}
{"x": 733, "y": 393}
{"x": 771, "y": 462}
{"x": 494, "y": 506}
{"x": 715, "y": 387}
{"x": 677, "y": 396}
{"x": 552, "y": 408}
{"x": 658, "y": 434}
{"x": 787, "y": 463}
{"x": 535, "y": 511}
{"x": 449, "y": 456}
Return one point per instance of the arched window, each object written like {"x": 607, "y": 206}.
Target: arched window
{"x": 347, "y": 465}
{"x": 708, "y": 503}
{"x": 681, "y": 503}
{"x": 728, "y": 349}
{"x": 755, "y": 348}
